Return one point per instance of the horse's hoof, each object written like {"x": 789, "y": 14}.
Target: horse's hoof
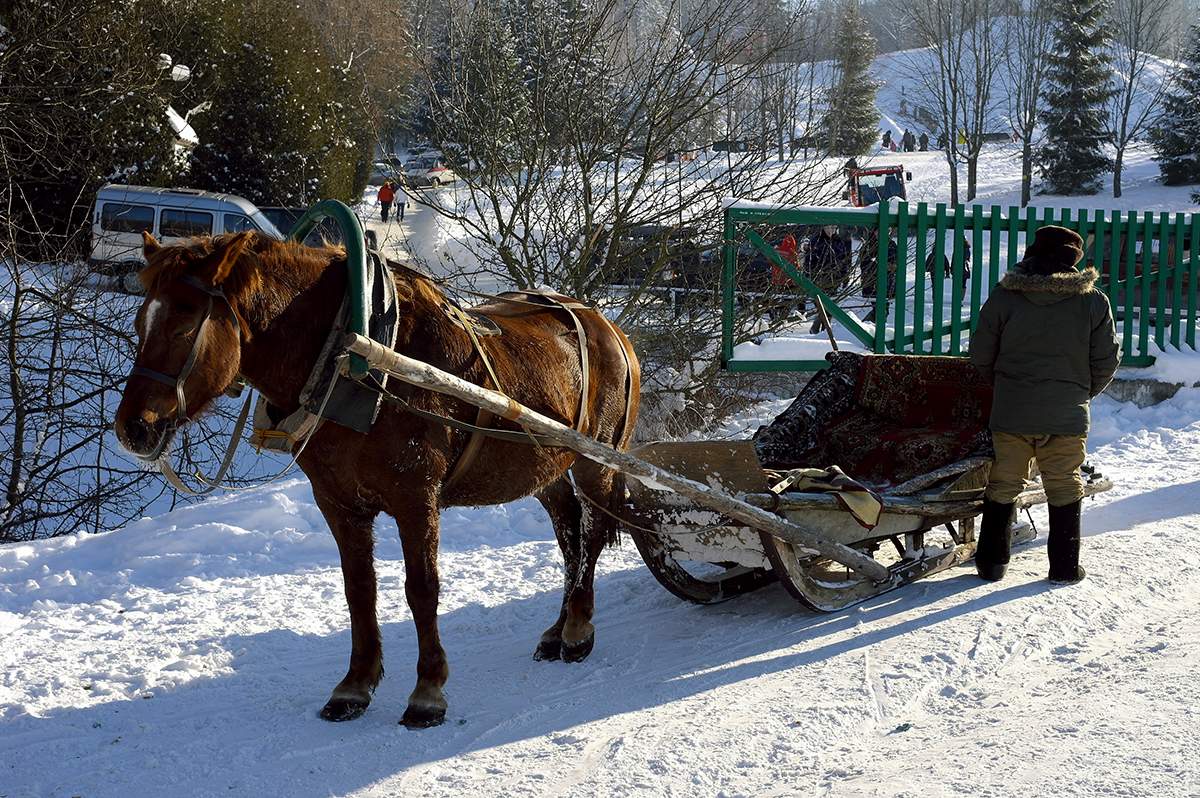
{"x": 548, "y": 650}
{"x": 419, "y": 717}
{"x": 578, "y": 652}
{"x": 339, "y": 709}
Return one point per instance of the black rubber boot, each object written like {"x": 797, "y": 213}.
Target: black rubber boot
{"x": 995, "y": 541}
{"x": 1063, "y": 544}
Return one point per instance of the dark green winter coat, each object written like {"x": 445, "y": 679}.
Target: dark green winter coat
{"x": 1048, "y": 344}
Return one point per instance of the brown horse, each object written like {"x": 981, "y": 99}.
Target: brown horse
{"x": 263, "y": 308}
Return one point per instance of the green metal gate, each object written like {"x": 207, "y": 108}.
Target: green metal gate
{"x": 1149, "y": 264}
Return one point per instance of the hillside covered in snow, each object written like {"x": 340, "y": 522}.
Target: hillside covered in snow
{"x": 903, "y": 102}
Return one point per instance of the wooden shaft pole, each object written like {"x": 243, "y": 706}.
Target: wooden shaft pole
{"x": 426, "y": 376}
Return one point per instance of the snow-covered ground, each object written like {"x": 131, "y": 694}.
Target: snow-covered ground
{"x": 188, "y": 655}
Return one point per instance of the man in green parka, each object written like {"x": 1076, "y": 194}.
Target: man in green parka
{"x": 1047, "y": 342}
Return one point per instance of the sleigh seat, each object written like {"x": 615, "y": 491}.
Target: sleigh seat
{"x": 885, "y": 420}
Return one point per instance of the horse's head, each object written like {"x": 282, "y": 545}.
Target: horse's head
{"x": 190, "y": 331}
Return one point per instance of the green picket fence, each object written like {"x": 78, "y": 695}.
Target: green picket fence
{"x": 1149, "y": 264}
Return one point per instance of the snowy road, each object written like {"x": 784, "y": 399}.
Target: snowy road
{"x": 189, "y": 654}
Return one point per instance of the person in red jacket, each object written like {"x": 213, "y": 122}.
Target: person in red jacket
{"x": 782, "y": 282}
{"x": 387, "y": 194}
{"x": 789, "y": 251}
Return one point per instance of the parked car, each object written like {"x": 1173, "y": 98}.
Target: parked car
{"x": 386, "y": 169}
{"x": 121, "y": 214}
{"x": 660, "y": 254}
{"x": 428, "y": 170}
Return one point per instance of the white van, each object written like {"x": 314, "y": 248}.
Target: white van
{"x": 170, "y": 214}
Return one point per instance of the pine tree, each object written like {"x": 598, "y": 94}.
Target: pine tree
{"x": 852, "y": 120}
{"x": 1176, "y": 136}
{"x": 82, "y": 103}
{"x": 1072, "y": 158}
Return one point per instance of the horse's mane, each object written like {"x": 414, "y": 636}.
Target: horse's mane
{"x": 269, "y": 273}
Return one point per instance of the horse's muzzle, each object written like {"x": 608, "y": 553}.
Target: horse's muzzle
{"x": 146, "y": 441}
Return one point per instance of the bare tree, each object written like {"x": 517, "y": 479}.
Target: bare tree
{"x": 1140, "y": 28}
{"x": 597, "y": 176}
{"x": 1028, "y": 41}
{"x": 981, "y": 47}
{"x": 84, "y": 101}
{"x": 940, "y": 26}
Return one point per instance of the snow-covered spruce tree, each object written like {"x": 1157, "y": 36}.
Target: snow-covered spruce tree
{"x": 484, "y": 105}
{"x": 852, "y": 120}
{"x": 1072, "y": 159}
{"x": 1176, "y": 136}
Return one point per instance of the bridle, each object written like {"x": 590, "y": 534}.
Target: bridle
{"x": 178, "y": 382}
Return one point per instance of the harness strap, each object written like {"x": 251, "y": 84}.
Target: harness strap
{"x": 511, "y": 436}
{"x": 584, "y": 371}
{"x": 482, "y": 417}
{"x": 552, "y": 300}
{"x": 164, "y": 463}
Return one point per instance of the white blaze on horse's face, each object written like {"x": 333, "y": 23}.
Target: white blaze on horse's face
{"x": 148, "y": 321}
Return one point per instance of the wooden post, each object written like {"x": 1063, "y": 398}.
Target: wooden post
{"x": 426, "y": 376}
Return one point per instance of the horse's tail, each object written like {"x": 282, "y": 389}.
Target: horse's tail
{"x": 616, "y": 508}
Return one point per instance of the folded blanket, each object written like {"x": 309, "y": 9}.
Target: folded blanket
{"x": 854, "y": 497}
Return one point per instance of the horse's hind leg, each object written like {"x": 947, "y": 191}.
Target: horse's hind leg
{"x": 563, "y": 508}
{"x": 352, "y": 529}
{"x": 598, "y": 486}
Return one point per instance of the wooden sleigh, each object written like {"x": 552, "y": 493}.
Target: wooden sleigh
{"x": 701, "y": 557}
{"x": 914, "y": 428}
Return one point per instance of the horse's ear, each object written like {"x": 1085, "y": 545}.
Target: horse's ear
{"x": 149, "y": 244}
{"x": 220, "y": 262}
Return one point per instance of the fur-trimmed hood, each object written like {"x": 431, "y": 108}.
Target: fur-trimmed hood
{"x": 1060, "y": 284}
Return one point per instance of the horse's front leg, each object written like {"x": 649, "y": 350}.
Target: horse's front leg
{"x": 418, "y": 523}
{"x": 353, "y": 529}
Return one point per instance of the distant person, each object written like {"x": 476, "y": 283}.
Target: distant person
{"x": 923, "y": 142}
{"x": 941, "y": 141}
{"x": 828, "y": 264}
{"x": 789, "y": 250}
{"x": 1047, "y": 342}
{"x": 387, "y": 194}
{"x": 781, "y": 281}
{"x": 401, "y": 201}
{"x": 869, "y": 271}
{"x": 948, "y": 266}
{"x": 887, "y": 140}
